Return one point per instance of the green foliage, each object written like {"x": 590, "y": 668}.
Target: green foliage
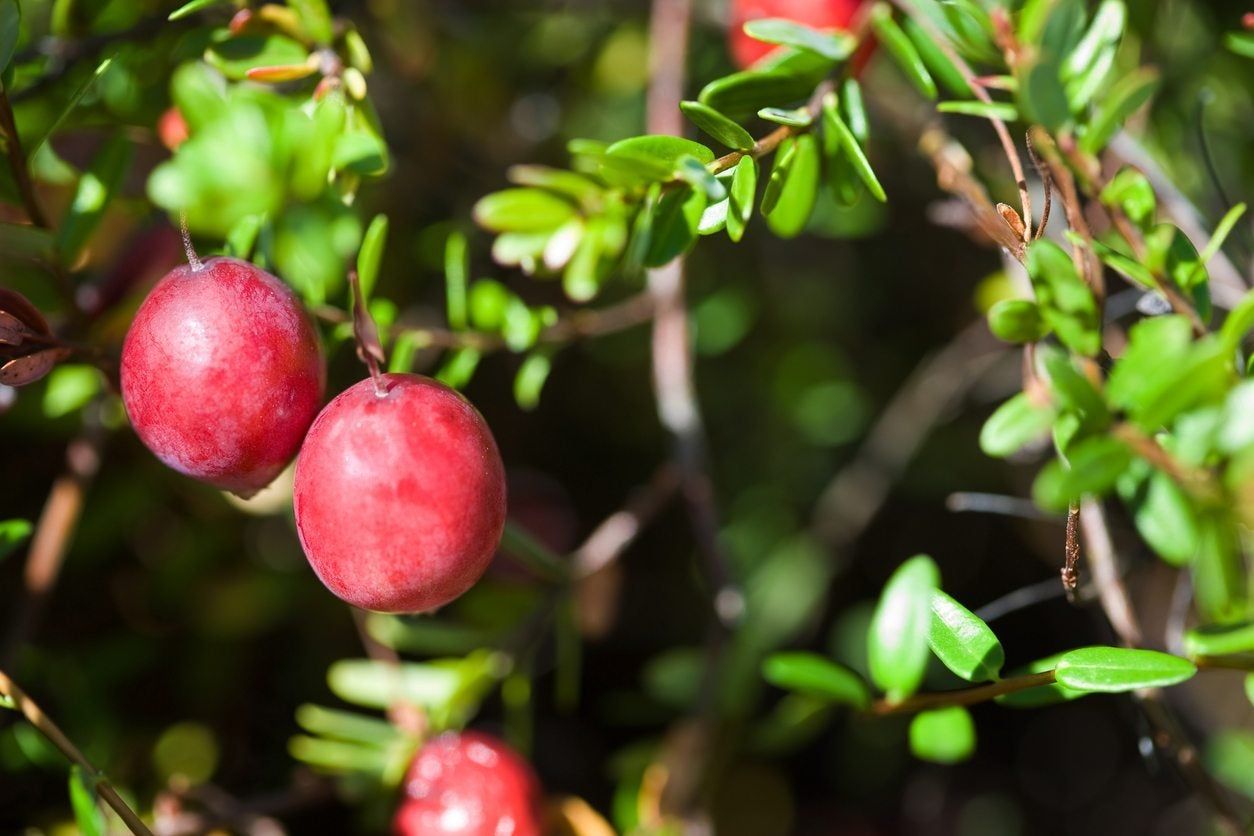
{"x": 12, "y": 534}
{"x": 815, "y": 676}
{"x": 943, "y": 735}
{"x": 1118, "y": 669}
{"x": 898, "y": 641}
{"x": 963, "y": 641}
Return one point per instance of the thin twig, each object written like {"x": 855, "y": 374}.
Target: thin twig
{"x": 1003, "y": 134}
{"x": 941, "y": 380}
{"x": 965, "y": 696}
{"x": 43, "y": 723}
{"x": 1117, "y": 605}
{"x": 53, "y": 534}
{"x": 18, "y": 163}
{"x": 620, "y": 529}
{"x": 1070, "y": 577}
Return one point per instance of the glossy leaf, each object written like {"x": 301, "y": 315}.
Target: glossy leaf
{"x": 741, "y": 197}
{"x": 897, "y": 643}
{"x": 800, "y": 188}
{"x": 937, "y": 62}
{"x": 943, "y": 735}
{"x": 1016, "y": 423}
{"x": 675, "y": 223}
{"x": 834, "y": 125}
{"x": 1017, "y": 321}
{"x": 189, "y": 9}
{"x": 741, "y": 95}
{"x": 901, "y": 49}
{"x": 1131, "y": 192}
{"x": 1067, "y": 304}
{"x": 522, "y": 210}
{"x": 835, "y": 46}
{"x": 717, "y": 125}
{"x": 1096, "y": 464}
{"x": 664, "y": 152}
{"x": 1220, "y": 640}
{"x": 816, "y": 676}
{"x": 1105, "y": 30}
{"x": 792, "y": 117}
{"x": 1041, "y": 96}
{"x": 1128, "y": 94}
{"x": 1164, "y": 517}
{"x": 1230, "y": 758}
{"x": 1004, "y": 111}
{"x": 963, "y": 642}
{"x": 371, "y": 254}
{"x": 1118, "y": 669}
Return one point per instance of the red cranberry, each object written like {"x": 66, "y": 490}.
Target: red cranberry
{"x": 820, "y": 14}
{"x": 400, "y": 494}
{"x": 469, "y": 784}
{"x": 222, "y": 373}
{"x": 172, "y": 129}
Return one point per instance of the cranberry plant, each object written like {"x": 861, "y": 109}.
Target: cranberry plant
{"x": 1120, "y": 313}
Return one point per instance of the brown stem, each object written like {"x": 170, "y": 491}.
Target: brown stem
{"x": 1003, "y": 134}
{"x": 965, "y": 696}
{"x": 18, "y": 163}
{"x": 1069, "y": 575}
{"x": 1197, "y": 481}
{"x": 43, "y": 723}
{"x": 620, "y": 529}
{"x": 771, "y": 141}
{"x": 53, "y": 535}
{"x": 1119, "y": 610}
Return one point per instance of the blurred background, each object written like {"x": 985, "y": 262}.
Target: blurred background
{"x": 185, "y": 630}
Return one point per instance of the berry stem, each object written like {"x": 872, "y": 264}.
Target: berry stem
{"x": 366, "y": 333}
{"x": 194, "y": 260}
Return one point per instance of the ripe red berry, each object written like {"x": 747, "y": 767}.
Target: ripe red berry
{"x": 469, "y": 784}
{"x": 400, "y": 494}
{"x": 222, "y": 373}
{"x": 820, "y": 14}
{"x": 172, "y": 128}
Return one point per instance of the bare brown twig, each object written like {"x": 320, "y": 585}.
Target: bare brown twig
{"x": 43, "y": 723}
{"x": 964, "y": 696}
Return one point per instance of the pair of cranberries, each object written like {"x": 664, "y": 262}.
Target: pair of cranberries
{"x": 400, "y": 491}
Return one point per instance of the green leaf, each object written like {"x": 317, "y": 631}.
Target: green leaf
{"x": 522, "y": 210}
{"x": 835, "y": 46}
{"x": 1249, "y": 688}
{"x": 675, "y": 224}
{"x": 1041, "y": 96}
{"x": 338, "y": 756}
{"x": 1130, "y": 191}
{"x": 897, "y": 643}
{"x": 70, "y": 387}
{"x": 816, "y": 676}
{"x": 348, "y": 726}
{"x": 1222, "y": 230}
{"x": 371, "y": 254}
{"x": 87, "y": 814}
{"x": 189, "y": 9}
{"x": 234, "y": 57}
{"x": 1016, "y": 423}
{"x": 834, "y": 126}
{"x": 1230, "y": 758}
{"x": 718, "y": 126}
{"x": 584, "y": 190}
{"x": 1219, "y": 640}
{"x": 1017, "y": 321}
{"x": 741, "y": 95}
{"x": 937, "y": 62}
{"x": 1128, "y": 94}
{"x": 1119, "y": 669}
{"x": 530, "y": 379}
{"x": 943, "y": 735}
{"x": 37, "y": 142}
{"x": 1096, "y": 464}
{"x": 1041, "y": 695}
{"x": 10, "y": 28}
{"x": 714, "y": 218}
{"x": 25, "y": 241}
{"x": 456, "y": 278}
{"x": 1004, "y": 111}
{"x": 12, "y": 534}
{"x": 95, "y": 191}
{"x": 1105, "y": 30}
{"x": 792, "y": 117}
{"x": 315, "y": 19}
{"x": 1239, "y": 322}
{"x": 375, "y": 684}
{"x": 1170, "y": 253}
{"x": 1067, "y": 304}
{"x": 741, "y": 196}
{"x": 660, "y": 153}
{"x": 1242, "y": 43}
{"x": 1219, "y": 587}
{"x": 1082, "y": 88}
{"x": 963, "y": 642}
{"x": 693, "y": 172}
{"x": 1164, "y": 516}
{"x": 854, "y": 110}
{"x": 1072, "y": 390}
{"x": 901, "y": 49}
{"x": 799, "y": 191}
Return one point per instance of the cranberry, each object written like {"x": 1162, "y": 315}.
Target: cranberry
{"x": 222, "y": 374}
{"x": 400, "y": 494}
{"x": 469, "y": 784}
